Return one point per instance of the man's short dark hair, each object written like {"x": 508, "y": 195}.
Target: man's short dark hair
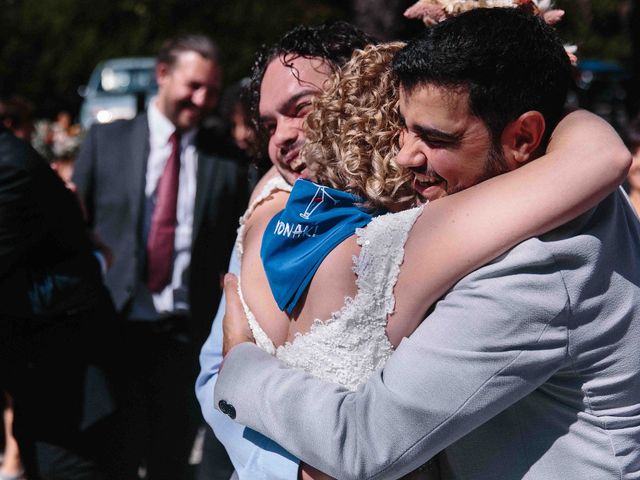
{"x": 201, "y": 44}
{"x": 15, "y": 111}
{"x": 334, "y": 42}
{"x": 508, "y": 60}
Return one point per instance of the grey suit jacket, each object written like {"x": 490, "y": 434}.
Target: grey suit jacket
{"x": 110, "y": 176}
{"x": 528, "y": 368}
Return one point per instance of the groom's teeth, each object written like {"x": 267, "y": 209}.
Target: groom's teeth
{"x": 427, "y": 181}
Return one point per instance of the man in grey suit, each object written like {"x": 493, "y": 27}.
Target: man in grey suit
{"x": 528, "y": 367}
{"x": 161, "y": 196}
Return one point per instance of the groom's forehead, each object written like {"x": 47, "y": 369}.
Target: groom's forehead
{"x": 428, "y": 99}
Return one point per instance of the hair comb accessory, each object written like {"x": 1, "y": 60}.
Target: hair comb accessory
{"x": 434, "y": 11}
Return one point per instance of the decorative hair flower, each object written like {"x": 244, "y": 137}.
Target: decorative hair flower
{"x": 434, "y": 11}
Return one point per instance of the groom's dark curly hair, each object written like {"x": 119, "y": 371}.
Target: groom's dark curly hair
{"x": 508, "y": 60}
{"x": 332, "y": 41}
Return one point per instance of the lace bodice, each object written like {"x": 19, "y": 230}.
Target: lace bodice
{"x": 348, "y": 347}
{"x": 352, "y": 344}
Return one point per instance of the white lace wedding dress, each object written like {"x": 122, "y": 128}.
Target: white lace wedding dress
{"x": 348, "y": 347}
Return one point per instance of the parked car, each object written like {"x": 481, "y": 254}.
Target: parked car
{"x": 118, "y": 88}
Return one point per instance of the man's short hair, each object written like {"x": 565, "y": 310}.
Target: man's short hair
{"x": 16, "y": 111}
{"x": 508, "y": 60}
{"x": 201, "y": 44}
{"x": 333, "y": 41}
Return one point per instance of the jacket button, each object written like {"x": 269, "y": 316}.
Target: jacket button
{"x": 227, "y": 409}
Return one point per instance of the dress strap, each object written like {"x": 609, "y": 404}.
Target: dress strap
{"x": 384, "y": 237}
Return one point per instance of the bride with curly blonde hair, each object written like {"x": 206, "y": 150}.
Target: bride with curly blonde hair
{"x": 354, "y": 130}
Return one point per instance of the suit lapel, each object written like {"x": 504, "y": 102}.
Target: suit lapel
{"x": 139, "y": 149}
{"x": 207, "y": 166}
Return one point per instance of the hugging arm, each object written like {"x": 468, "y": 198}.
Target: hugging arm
{"x": 585, "y": 161}
{"x": 415, "y": 406}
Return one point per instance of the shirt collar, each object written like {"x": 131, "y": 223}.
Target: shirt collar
{"x": 161, "y": 128}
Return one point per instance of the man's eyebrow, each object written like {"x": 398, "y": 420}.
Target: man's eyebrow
{"x": 291, "y": 102}
{"x": 434, "y": 133}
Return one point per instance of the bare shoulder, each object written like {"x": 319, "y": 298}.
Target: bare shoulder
{"x": 265, "y": 210}
{"x": 255, "y": 286}
{"x": 333, "y": 281}
{"x": 271, "y": 173}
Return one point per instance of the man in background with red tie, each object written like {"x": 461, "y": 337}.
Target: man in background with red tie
{"x": 162, "y": 198}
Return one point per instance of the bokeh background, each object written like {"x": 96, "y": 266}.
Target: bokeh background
{"x": 48, "y": 48}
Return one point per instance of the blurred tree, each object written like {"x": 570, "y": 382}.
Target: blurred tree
{"x": 383, "y": 19}
{"x": 49, "y": 47}
{"x": 597, "y": 27}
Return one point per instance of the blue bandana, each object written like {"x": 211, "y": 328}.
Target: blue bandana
{"x": 315, "y": 220}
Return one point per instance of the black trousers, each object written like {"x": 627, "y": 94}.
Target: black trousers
{"x": 215, "y": 464}
{"x": 60, "y": 371}
{"x": 83, "y": 455}
{"x": 158, "y": 415}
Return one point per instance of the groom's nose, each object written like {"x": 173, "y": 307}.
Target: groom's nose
{"x": 410, "y": 154}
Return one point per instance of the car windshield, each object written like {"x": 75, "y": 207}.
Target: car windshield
{"x": 129, "y": 80}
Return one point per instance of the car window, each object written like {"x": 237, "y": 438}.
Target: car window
{"x": 129, "y": 80}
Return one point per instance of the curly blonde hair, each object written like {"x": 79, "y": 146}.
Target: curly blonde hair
{"x": 354, "y": 129}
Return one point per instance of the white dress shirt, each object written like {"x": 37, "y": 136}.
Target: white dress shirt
{"x": 174, "y": 298}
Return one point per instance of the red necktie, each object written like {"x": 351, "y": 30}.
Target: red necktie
{"x": 162, "y": 231}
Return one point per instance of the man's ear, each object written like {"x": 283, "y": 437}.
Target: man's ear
{"x": 162, "y": 71}
{"x": 521, "y": 138}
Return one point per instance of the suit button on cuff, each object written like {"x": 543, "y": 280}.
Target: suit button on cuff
{"x": 227, "y": 409}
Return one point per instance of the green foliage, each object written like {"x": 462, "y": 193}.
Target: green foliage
{"x": 50, "y": 47}
{"x": 597, "y": 27}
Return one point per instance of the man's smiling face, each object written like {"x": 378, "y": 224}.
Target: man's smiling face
{"x": 189, "y": 89}
{"x": 446, "y": 147}
{"x": 286, "y": 94}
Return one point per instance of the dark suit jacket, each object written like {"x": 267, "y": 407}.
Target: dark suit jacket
{"x": 110, "y": 176}
{"x": 56, "y": 318}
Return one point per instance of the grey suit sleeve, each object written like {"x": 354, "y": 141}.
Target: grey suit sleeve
{"x": 495, "y": 337}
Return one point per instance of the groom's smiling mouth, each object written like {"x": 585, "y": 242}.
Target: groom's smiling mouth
{"x": 429, "y": 185}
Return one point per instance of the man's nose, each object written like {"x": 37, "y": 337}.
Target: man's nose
{"x": 409, "y": 155}
{"x": 286, "y": 133}
{"x": 203, "y": 98}
{"x": 198, "y": 97}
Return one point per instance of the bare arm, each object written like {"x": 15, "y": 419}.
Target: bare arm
{"x": 585, "y": 161}
{"x": 255, "y": 286}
